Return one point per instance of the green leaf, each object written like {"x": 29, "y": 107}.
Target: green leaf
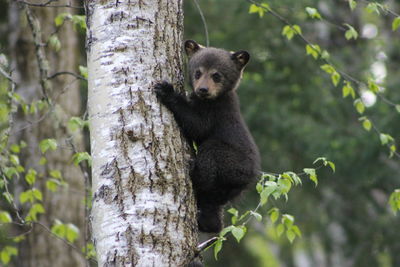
{"x": 325, "y": 54}
{"x": 256, "y": 215}
{"x": 59, "y": 229}
{"x": 396, "y": 23}
{"x": 398, "y": 108}
{"x": 47, "y": 144}
{"x": 296, "y": 230}
{"x": 373, "y": 86}
{"x": 287, "y": 220}
{"x": 385, "y": 138}
{"x": 81, "y": 156}
{"x": 79, "y": 21}
{"x": 34, "y": 211}
{"x": 367, "y": 124}
{"x": 312, "y": 175}
{"x": 15, "y": 148}
{"x": 54, "y": 43}
{"x": 313, "y": 13}
{"x": 284, "y": 185}
{"x": 72, "y": 232}
{"x": 30, "y": 177}
{"x": 14, "y": 160}
{"x": 394, "y": 200}
{"x": 274, "y": 214}
{"x": 328, "y": 68}
{"x": 290, "y": 235}
{"x": 217, "y": 247}
{"x": 239, "y": 232}
{"x": 373, "y": 7}
{"x": 56, "y": 174}
{"x": 253, "y": 9}
{"x": 233, "y": 211}
{"x": 226, "y": 230}
{"x": 42, "y": 161}
{"x": 351, "y": 33}
{"x": 359, "y": 106}
{"x": 267, "y": 191}
{"x": 76, "y": 123}
{"x": 280, "y": 229}
{"x": 332, "y": 165}
{"x": 352, "y": 4}
{"x": 6, "y": 253}
{"x": 348, "y": 90}
{"x": 335, "y": 78}
{"x": 26, "y": 196}
{"x": 83, "y": 71}
{"x": 5, "y": 217}
{"x": 313, "y": 50}
{"x": 10, "y": 171}
{"x": 52, "y": 185}
{"x": 59, "y": 20}
{"x": 37, "y": 194}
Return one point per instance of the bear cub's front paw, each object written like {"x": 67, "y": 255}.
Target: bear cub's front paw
{"x": 163, "y": 89}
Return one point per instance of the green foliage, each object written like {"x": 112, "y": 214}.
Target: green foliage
{"x": 264, "y": 7}
{"x": 76, "y": 123}
{"x": 83, "y": 71}
{"x": 68, "y": 231}
{"x": 5, "y": 217}
{"x": 313, "y": 13}
{"x": 348, "y": 90}
{"x": 366, "y": 123}
{"x": 78, "y": 21}
{"x": 312, "y": 175}
{"x": 47, "y": 144}
{"x": 54, "y": 43}
{"x": 313, "y": 50}
{"x": 352, "y": 4}
{"x": 291, "y": 30}
{"x": 374, "y": 7}
{"x": 36, "y": 209}
{"x": 396, "y": 24}
{"x": 59, "y": 20}
{"x": 89, "y": 251}
{"x": 81, "y": 156}
{"x": 394, "y": 200}
{"x": 351, "y": 33}
{"x": 6, "y": 253}
{"x": 358, "y": 103}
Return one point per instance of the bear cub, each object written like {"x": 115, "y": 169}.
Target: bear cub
{"x": 227, "y": 159}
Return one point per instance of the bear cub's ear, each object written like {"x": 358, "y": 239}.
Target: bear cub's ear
{"x": 240, "y": 58}
{"x": 191, "y": 47}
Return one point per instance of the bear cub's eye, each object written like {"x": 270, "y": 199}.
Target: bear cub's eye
{"x": 197, "y": 74}
{"x": 216, "y": 77}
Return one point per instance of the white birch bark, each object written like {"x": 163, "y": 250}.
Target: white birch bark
{"x": 143, "y": 213}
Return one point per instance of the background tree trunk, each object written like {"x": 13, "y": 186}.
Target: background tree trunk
{"x": 40, "y": 248}
{"x": 144, "y": 212}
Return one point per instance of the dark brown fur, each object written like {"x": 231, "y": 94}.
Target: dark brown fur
{"x": 227, "y": 158}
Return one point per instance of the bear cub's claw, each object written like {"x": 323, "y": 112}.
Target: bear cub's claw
{"x": 163, "y": 89}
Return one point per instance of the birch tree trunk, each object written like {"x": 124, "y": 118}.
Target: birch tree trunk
{"x": 144, "y": 212}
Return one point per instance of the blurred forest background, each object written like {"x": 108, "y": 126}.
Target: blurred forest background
{"x": 292, "y": 108}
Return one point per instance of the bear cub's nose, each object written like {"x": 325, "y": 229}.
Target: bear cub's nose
{"x": 203, "y": 90}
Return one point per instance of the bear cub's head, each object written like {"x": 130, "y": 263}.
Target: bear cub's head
{"x": 213, "y": 71}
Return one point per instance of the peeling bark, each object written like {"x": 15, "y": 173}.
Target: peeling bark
{"x": 144, "y": 212}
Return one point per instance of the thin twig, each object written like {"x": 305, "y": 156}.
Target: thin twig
{"x": 40, "y": 53}
{"x": 66, "y": 73}
{"x": 203, "y": 19}
{"x": 47, "y": 4}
